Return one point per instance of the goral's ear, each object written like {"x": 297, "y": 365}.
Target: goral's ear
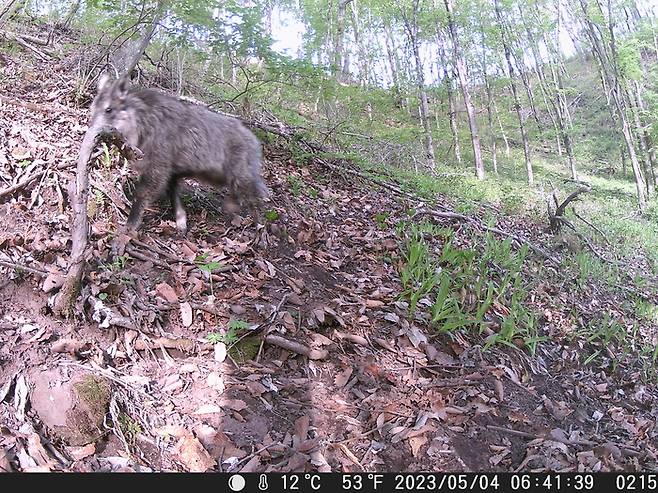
{"x": 103, "y": 81}
{"x": 123, "y": 84}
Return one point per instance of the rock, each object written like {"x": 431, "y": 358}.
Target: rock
{"x": 71, "y": 407}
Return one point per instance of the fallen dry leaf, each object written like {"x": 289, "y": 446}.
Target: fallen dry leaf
{"x": 233, "y": 404}
{"x": 186, "y": 314}
{"x": 193, "y": 455}
{"x": 343, "y": 377}
{"x": 166, "y": 292}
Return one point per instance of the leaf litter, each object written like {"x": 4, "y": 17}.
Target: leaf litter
{"x": 285, "y": 347}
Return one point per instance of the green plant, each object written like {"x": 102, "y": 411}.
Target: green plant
{"x": 129, "y": 427}
{"x": 230, "y": 336}
{"x": 295, "y": 185}
{"x": 271, "y": 215}
{"x": 207, "y": 267}
{"x": 118, "y": 263}
{"x": 381, "y": 219}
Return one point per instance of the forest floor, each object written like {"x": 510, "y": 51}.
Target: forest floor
{"x": 140, "y": 378}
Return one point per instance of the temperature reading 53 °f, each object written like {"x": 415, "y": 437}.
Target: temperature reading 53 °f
{"x": 356, "y": 482}
{"x": 296, "y": 482}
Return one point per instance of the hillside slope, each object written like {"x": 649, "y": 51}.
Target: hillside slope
{"x": 378, "y": 388}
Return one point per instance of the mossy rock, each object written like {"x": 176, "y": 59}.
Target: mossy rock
{"x": 72, "y": 407}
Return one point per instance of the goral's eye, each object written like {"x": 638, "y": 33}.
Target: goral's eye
{"x": 108, "y": 110}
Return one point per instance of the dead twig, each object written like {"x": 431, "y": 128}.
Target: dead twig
{"x": 594, "y": 227}
{"x": 556, "y": 219}
{"x": 296, "y": 347}
{"x": 518, "y": 239}
{"x": 31, "y": 270}
{"x": 133, "y": 252}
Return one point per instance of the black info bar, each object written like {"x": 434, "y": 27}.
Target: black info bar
{"x": 363, "y": 482}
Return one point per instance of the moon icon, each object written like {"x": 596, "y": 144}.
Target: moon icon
{"x": 236, "y": 482}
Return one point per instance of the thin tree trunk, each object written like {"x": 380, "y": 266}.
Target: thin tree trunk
{"x": 517, "y": 103}
{"x": 411, "y": 26}
{"x": 146, "y": 37}
{"x": 462, "y": 72}
{"x": 647, "y": 138}
{"x": 8, "y": 9}
{"x": 641, "y": 138}
{"x": 71, "y": 14}
{"x": 452, "y": 114}
{"x": 339, "y": 34}
{"x": 561, "y": 104}
{"x": 487, "y": 85}
{"x": 549, "y": 101}
{"x": 364, "y": 68}
{"x": 502, "y": 129}
{"x": 607, "y": 58}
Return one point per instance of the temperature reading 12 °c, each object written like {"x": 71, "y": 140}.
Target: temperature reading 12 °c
{"x": 358, "y": 482}
{"x": 301, "y": 482}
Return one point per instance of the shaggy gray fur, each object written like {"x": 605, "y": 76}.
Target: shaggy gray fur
{"x": 179, "y": 140}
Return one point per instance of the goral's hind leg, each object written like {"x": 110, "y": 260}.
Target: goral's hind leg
{"x": 177, "y": 204}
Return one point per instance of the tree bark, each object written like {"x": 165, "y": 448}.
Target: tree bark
{"x": 452, "y": 110}
{"x": 487, "y": 85}
{"x": 146, "y": 37}
{"x": 462, "y": 72}
{"x": 517, "y": 103}
{"x": 339, "y": 35}
{"x": 71, "y": 14}
{"x": 364, "y": 66}
{"x": 605, "y": 52}
{"x": 65, "y": 300}
{"x": 8, "y": 9}
{"x": 411, "y": 25}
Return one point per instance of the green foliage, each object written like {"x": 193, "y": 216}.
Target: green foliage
{"x": 271, "y": 215}
{"x": 117, "y": 264}
{"x": 459, "y": 287}
{"x": 205, "y": 265}
{"x": 296, "y": 185}
{"x": 238, "y": 325}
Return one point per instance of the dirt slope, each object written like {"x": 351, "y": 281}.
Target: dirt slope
{"x": 379, "y": 392}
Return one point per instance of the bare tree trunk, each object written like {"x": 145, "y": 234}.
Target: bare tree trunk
{"x": 502, "y": 129}
{"x": 647, "y": 138}
{"x": 411, "y": 26}
{"x": 146, "y": 37}
{"x": 517, "y": 103}
{"x": 364, "y": 66}
{"x": 641, "y": 138}
{"x": 549, "y": 101}
{"x": 462, "y": 72}
{"x": 487, "y": 85}
{"x": 452, "y": 115}
{"x": 268, "y": 7}
{"x": 65, "y": 300}
{"x": 339, "y": 34}
{"x": 71, "y": 14}
{"x": 394, "y": 62}
{"x": 606, "y": 54}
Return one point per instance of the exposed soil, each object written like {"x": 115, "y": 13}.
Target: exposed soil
{"x": 390, "y": 395}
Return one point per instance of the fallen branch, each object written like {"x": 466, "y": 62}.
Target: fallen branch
{"x": 316, "y": 149}
{"x": 296, "y": 347}
{"x": 31, "y": 270}
{"x": 29, "y": 179}
{"x": 518, "y": 239}
{"x": 43, "y": 53}
{"x": 556, "y": 219}
{"x": 594, "y": 227}
{"x": 133, "y": 252}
